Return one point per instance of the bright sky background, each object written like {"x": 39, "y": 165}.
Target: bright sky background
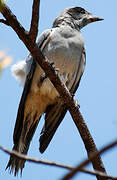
{"x": 97, "y": 93}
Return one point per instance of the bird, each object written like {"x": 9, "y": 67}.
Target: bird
{"x": 63, "y": 45}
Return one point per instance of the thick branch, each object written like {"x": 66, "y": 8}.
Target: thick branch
{"x": 35, "y": 19}
{"x": 61, "y": 88}
{"x": 87, "y": 161}
{"x": 55, "y": 164}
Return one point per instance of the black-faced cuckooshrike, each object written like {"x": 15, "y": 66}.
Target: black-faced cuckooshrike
{"x": 62, "y": 44}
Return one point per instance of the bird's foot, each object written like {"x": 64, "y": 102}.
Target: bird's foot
{"x": 76, "y": 103}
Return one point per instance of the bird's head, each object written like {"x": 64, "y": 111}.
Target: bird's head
{"x": 77, "y": 15}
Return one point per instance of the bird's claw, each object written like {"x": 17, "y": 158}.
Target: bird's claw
{"x": 76, "y": 103}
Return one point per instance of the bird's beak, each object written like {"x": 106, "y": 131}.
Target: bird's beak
{"x": 92, "y": 18}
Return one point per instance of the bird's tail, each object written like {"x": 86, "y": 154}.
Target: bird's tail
{"x": 54, "y": 115}
{"x": 15, "y": 164}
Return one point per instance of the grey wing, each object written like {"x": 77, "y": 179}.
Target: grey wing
{"x": 31, "y": 66}
{"x": 79, "y": 73}
{"x": 55, "y": 113}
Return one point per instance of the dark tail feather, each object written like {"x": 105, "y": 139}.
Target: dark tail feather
{"x": 15, "y": 164}
{"x": 54, "y": 116}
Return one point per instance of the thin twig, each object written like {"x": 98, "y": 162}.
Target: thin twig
{"x": 98, "y": 173}
{"x": 61, "y": 88}
{"x": 35, "y": 20}
{"x": 87, "y": 161}
{"x": 55, "y": 164}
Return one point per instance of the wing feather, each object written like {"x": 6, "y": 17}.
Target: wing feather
{"x": 55, "y": 113}
{"x": 20, "y": 114}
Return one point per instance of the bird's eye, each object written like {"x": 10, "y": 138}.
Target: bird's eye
{"x": 82, "y": 10}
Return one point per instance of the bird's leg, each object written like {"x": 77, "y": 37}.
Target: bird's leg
{"x": 42, "y": 78}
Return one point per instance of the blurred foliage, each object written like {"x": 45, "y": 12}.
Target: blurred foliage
{"x": 2, "y": 3}
{"x": 4, "y": 60}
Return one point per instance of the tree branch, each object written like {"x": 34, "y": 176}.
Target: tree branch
{"x": 61, "y": 88}
{"x": 4, "y": 22}
{"x": 35, "y": 19}
{"x": 87, "y": 161}
{"x": 54, "y": 164}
